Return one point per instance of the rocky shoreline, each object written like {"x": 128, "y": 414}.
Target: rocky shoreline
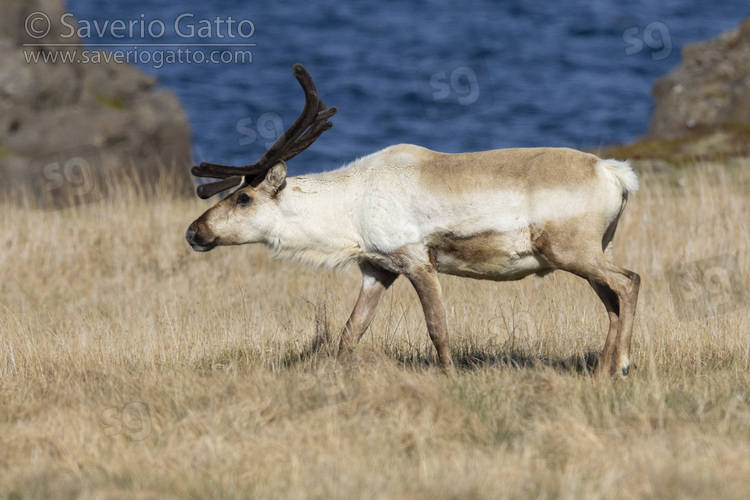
{"x": 70, "y": 129}
{"x": 702, "y": 109}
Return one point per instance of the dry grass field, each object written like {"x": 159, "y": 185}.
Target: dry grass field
{"x": 133, "y": 367}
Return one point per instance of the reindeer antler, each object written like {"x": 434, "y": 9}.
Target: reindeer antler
{"x": 309, "y": 125}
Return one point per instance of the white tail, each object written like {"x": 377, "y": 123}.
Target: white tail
{"x": 623, "y": 172}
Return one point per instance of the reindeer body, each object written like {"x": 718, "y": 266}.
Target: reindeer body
{"x": 473, "y": 214}
{"x": 498, "y": 215}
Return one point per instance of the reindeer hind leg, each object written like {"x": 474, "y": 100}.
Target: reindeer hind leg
{"x": 616, "y": 287}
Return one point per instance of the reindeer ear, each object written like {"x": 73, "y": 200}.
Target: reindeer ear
{"x": 275, "y": 178}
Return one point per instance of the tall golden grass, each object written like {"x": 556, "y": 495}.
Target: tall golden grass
{"x": 133, "y": 367}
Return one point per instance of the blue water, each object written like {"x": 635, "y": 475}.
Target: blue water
{"x": 459, "y": 76}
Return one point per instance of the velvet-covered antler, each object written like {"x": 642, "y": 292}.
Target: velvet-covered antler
{"x": 304, "y": 131}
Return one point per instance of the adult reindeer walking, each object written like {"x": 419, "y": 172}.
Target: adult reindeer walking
{"x": 497, "y": 215}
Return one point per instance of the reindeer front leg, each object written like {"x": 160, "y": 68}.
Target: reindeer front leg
{"x": 425, "y": 281}
{"x": 375, "y": 281}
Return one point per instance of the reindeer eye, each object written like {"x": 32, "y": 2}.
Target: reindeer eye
{"x": 243, "y": 200}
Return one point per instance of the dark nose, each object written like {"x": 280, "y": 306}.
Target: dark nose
{"x": 190, "y": 234}
{"x": 197, "y": 241}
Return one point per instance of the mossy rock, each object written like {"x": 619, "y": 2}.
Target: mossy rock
{"x": 704, "y": 143}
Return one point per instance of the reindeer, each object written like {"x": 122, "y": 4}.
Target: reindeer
{"x": 495, "y": 215}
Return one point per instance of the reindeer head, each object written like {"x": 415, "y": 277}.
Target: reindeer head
{"x": 245, "y": 215}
